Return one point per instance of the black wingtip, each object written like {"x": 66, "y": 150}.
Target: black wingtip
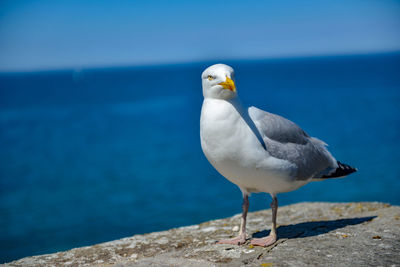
{"x": 341, "y": 170}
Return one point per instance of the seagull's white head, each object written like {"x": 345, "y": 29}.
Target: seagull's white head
{"x": 218, "y": 82}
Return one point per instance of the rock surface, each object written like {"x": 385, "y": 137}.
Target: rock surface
{"x": 310, "y": 234}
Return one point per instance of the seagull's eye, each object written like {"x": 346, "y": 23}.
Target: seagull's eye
{"x": 210, "y": 78}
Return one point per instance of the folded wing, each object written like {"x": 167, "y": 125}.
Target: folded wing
{"x": 285, "y": 140}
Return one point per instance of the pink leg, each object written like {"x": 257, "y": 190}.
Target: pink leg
{"x": 241, "y": 239}
{"x": 271, "y": 239}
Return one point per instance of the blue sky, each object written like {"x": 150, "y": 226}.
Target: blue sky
{"x": 37, "y": 35}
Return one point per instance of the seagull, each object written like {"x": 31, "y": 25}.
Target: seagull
{"x": 257, "y": 150}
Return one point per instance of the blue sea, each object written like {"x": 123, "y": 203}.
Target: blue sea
{"x": 92, "y": 155}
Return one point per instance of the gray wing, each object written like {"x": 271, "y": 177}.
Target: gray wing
{"x": 285, "y": 140}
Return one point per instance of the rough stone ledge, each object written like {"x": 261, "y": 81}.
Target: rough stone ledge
{"x": 310, "y": 234}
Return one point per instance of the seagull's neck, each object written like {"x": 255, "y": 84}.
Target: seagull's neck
{"x": 235, "y": 102}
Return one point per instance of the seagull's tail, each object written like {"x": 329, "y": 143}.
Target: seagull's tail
{"x": 341, "y": 171}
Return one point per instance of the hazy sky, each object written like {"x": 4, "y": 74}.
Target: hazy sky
{"x": 72, "y": 34}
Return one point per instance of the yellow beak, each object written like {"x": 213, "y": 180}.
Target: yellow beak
{"x": 229, "y": 84}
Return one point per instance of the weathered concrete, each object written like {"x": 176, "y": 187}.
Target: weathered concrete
{"x": 310, "y": 234}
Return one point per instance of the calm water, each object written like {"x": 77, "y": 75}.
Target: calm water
{"x": 95, "y": 155}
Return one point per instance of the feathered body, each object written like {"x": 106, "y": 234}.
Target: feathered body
{"x": 289, "y": 159}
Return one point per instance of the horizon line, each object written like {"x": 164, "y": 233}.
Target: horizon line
{"x": 194, "y": 62}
